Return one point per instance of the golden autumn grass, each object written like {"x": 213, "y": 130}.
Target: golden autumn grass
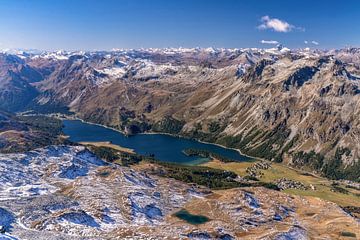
{"x": 322, "y": 185}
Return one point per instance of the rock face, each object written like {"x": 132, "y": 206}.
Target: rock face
{"x": 272, "y": 104}
{"x": 41, "y": 199}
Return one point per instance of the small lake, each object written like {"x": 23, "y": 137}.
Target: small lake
{"x": 165, "y": 147}
{"x": 191, "y": 218}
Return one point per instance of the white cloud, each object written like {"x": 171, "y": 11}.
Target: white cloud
{"x": 312, "y": 42}
{"x": 269, "y": 42}
{"x": 277, "y": 25}
{"x": 315, "y": 42}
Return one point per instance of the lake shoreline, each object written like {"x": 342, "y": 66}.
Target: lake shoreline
{"x": 168, "y": 134}
{"x": 109, "y": 145}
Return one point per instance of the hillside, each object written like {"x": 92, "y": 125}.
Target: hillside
{"x": 294, "y": 106}
{"x": 24, "y": 133}
{"x": 67, "y": 192}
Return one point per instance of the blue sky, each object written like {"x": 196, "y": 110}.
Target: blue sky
{"x": 107, "y": 24}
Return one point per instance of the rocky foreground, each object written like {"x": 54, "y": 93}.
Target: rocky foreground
{"x": 63, "y": 192}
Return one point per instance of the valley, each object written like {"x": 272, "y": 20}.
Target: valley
{"x": 339, "y": 192}
{"x": 179, "y": 120}
{"x": 268, "y": 103}
{"x": 148, "y": 142}
{"x": 163, "y": 147}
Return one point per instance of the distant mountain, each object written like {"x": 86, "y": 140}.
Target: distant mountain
{"x": 297, "y": 106}
{"x": 15, "y": 82}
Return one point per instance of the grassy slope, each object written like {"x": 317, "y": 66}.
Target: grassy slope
{"x": 322, "y": 185}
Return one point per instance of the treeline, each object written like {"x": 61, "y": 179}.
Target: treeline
{"x": 37, "y": 131}
{"x": 335, "y": 169}
{"x": 112, "y": 155}
{"x": 332, "y": 168}
{"x": 168, "y": 125}
{"x": 278, "y": 136}
{"x": 48, "y": 108}
{"x": 206, "y": 154}
{"x": 211, "y": 178}
{"x": 49, "y": 125}
{"x": 310, "y": 160}
{"x": 205, "y": 176}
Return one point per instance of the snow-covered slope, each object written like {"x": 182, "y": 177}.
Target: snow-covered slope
{"x": 65, "y": 192}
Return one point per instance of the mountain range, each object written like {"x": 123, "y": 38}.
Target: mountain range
{"x": 299, "y": 107}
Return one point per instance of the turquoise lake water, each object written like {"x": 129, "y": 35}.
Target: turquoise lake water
{"x": 165, "y": 147}
{"x": 191, "y": 218}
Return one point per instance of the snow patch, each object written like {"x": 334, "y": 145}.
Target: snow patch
{"x": 6, "y": 219}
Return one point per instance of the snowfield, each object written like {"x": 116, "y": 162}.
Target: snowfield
{"x": 68, "y": 190}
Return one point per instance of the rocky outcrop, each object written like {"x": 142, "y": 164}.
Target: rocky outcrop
{"x": 299, "y": 77}
{"x": 255, "y": 72}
